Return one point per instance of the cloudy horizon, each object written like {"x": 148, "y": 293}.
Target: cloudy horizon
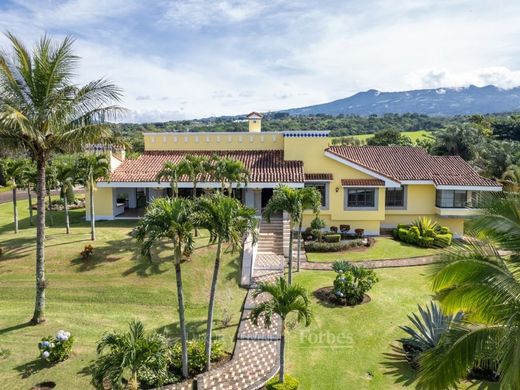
{"x": 192, "y": 59}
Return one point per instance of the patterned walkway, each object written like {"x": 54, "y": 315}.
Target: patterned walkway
{"x": 256, "y": 355}
{"x": 412, "y": 261}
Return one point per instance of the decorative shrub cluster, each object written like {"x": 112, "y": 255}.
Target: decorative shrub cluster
{"x": 87, "y": 251}
{"x": 352, "y": 282}
{"x": 338, "y": 246}
{"x": 425, "y": 233}
{"x": 56, "y": 349}
{"x": 290, "y": 383}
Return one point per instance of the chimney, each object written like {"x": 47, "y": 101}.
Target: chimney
{"x": 255, "y": 122}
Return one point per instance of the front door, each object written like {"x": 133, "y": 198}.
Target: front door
{"x": 266, "y": 195}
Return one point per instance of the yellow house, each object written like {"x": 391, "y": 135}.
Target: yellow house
{"x": 368, "y": 187}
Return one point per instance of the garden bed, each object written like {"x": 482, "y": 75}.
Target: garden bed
{"x": 326, "y": 296}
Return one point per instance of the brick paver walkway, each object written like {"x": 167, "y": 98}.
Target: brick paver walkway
{"x": 412, "y": 261}
{"x": 256, "y": 355}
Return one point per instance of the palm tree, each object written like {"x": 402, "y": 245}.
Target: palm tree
{"x": 483, "y": 282}
{"x": 51, "y": 182}
{"x": 43, "y": 112}
{"x": 172, "y": 172}
{"x": 66, "y": 178}
{"x": 193, "y": 166}
{"x": 310, "y": 199}
{"x": 90, "y": 168}
{"x": 228, "y": 171}
{"x": 228, "y": 222}
{"x": 285, "y": 299}
{"x": 122, "y": 353}
{"x": 511, "y": 178}
{"x": 289, "y": 200}
{"x": 29, "y": 181}
{"x": 170, "y": 219}
{"x": 14, "y": 171}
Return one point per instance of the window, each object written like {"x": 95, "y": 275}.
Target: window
{"x": 394, "y": 197}
{"x": 361, "y": 198}
{"x": 452, "y": 199}
{"x": 323, "y": 190}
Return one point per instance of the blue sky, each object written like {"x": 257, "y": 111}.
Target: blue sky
{"x": 193, "y": 58}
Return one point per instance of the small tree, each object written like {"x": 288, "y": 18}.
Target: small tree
{"x": 310, "y": 199}
{"x": 14, "y": 171}
{"x": 193, "y": 166}
{"x": 170, "y": 219}
{"x": 285, "y": 199}
{"x": 66, "y": 178}
{"x": 171, "y": 172}
{"x": 352, "y": 282}
{"x": 90, "y": 168}
{"x": 120, "y": 354}
{"x": 51, "y": 182}
{"x": 227, "y": 222}
{"x": 29, "y": 182}
{"x": 285, "y": 299}
{"x": 228, "y": 171}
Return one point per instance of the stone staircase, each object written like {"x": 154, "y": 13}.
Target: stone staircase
{"x": 270, "y": 240}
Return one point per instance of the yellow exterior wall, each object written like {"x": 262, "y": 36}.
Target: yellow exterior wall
{"x": 213, "y": 141}
{"x": 255, "y": 125}
{"x": 103, "y": 202}
{"x": 420, "y": 200}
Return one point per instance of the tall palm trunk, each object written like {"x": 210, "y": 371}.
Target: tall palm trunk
{"x": 195, "y": 197}
{"x": 92, "y": 214}
{"x": 51, "y": 218}
{"x": 290, "y": 254}
{"x": 39, "y": 309}
{"x": 282, "y": 354}
{"x": 300, "y": 224}
{"x": 15, "y": 211}
{"x": 29, "y": 197}
{"x": 211, "y": 309}
{"x": 182, "y": 320}
{"x": 66, "y": 206}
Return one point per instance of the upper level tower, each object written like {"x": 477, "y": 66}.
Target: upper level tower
{"x": 255, "y": 122}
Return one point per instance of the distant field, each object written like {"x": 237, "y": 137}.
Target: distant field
{"x": 414, "y": 135}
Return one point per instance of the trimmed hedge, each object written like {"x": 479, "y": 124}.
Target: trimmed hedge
{"x": 440, "y": 237}
{"x": 332, "y": 238}
{"x": 315, "y": 246}
{"x": 290, "y": 383}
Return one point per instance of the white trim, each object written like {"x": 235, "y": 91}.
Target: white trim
{"x": 469, "y": 188}
{"x": 418, "y": 182}
{"x": 360, "y": 186}
{"x": 163, "y": 184}
{"x": 317, "y": 181}
{"x": 187, "y": 133}
{"x": 388, "y": 182}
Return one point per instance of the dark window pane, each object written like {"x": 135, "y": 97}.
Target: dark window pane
{"x": 394, "y": 197}
{"x": 360, "y": 198}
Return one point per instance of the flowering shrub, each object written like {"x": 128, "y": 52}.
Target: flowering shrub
{"x": 352, "y": 283}
{"x": 56, "y": 349}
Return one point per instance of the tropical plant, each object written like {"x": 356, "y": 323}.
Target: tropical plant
{"x": 171, "y": 172}
{"x": 311, "y": 200}
{"x": 51, "y": 182}
{"x": 193, "y": 166}
{"x": 14, "y": 171}
{"x": 121, "y": 356}
{"x": 43, "y": 111}
{"x": 170, "y": 219}
{"x": 66, "y": 178}
{"x": 284, "y": 300}
{"x": 228, "y": 222}
{"x": 351, "y": 285}
{"x": 484, "y": 282}
{"x": 317, "y": 224}
{"x": 428, "y": 328}
{"x": 90, "y": 168}
{"x": 28, "y": 181}
{"x": 426, "y": 226}
{"x": 58, "y": 348}
{"x": 228, "y": 171}
{"x": 511, "y": 178}
{"x": 285, "y": 199}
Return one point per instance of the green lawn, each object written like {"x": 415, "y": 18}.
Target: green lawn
{"x": 4, "y": 189}
{"x": 414, "y": 135}
{"x": 384, "y": 248}
{"x": 90, "y": 297}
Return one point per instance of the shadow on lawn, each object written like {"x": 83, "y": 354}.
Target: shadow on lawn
{"x": 15, "y": 327}
{"x": 16, "y": 248}
{"x": 195, "y": 329}
{"x": 30, "y": 368}
{"x": 398, "y": 366}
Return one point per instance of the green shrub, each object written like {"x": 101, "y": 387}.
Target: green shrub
{"x": 290, "y": 383}
{"x": 334, "y": 229}
{"x": 196, "y": 356}
{"x": 401, "y": 234}
{"x": 315, "y": 246}
{"x": 56, "y": 349}
{"x": 423, "y": 224}
{"x": 344, "y": 228}
{"x": 425, "y": 242}
{"x": 443, "y": 240}
{"x": 444, "y": 230}
{"x": 318, "y": 223}
{"x": 340, "y": 266}
{"x": 359, "y": 232}
{"x": 351, "y": 285}
{"x": 429, "y": 233}
{"x": 332, "y": 237}
{"x": 413, "y": 235}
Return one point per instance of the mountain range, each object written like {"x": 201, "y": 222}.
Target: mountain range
{"x": 440, "y": 101}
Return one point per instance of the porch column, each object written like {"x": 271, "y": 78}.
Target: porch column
{"x": 132, "y": 198}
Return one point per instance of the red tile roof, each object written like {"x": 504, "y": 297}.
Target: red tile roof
{"x": 362, "y": 182}
{"x": 266, "y": 166}
{"x": 406, "y": 163}
{"x": 318, "y": 176}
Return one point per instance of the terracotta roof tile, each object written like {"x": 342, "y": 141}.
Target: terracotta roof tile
{"x": 408, "y": 163}
{"x": 362, "y": 182}
{"x": 318, "y": 176}
{"x": 266, "y": 166}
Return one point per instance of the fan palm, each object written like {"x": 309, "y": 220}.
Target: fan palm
{"x": 284, "y": 300}
{"x": 42, "y": 111}
{"x": 228, "y": 222}
{"x": 66, "y": 177}
{"x": 480, "y": 281}
{"x": 90, "y": 168}
{"x": 289, "y": 200}
{"x": 127, "y": 353}
{"x": 310, "y": 199}
{"x": 171, "y": 172}
{"x": 14, "y": 171}
{"x": 170, "y": 219}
